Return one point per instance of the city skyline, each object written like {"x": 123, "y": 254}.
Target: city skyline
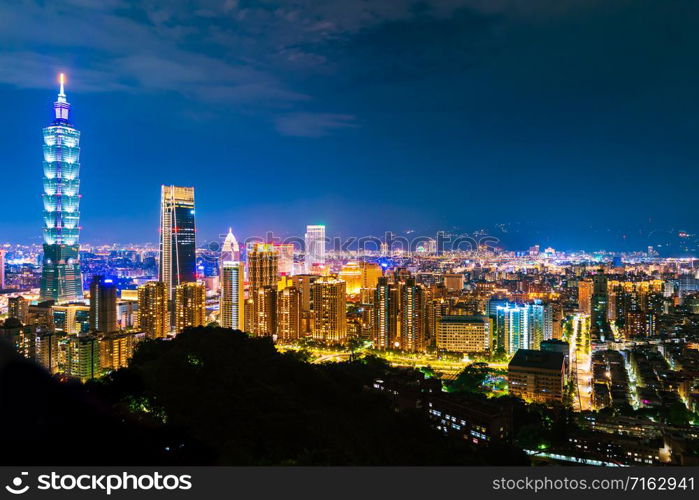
{"x": 477, "y": 130}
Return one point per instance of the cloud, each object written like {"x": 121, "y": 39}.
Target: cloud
{"x": 222, "y": 53}
{"x": 313, "y": 124}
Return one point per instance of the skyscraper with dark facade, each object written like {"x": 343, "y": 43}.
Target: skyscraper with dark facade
{"x": 599, "y": 321}
{"x": 103, "y": 305}
{"x": 61, "y": 279}
{"x": 177, "y": 238}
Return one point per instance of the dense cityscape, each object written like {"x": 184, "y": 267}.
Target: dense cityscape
{"x": 472, "y": 335}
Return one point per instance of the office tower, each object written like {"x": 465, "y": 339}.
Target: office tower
{"x": 61, "y": 280}
{"x": 261, "y": 311}
{"x": 599, "y": 324}
{"x": 103, "y": 305}
{"x": 71, "y": 319}
{"x": 116, "y": 350}
{"x": 177, "y": 238}
{"x": 537, "y": 376}
{"x": 386, "y": 298}
{"x": 190, "y": 306}
{"x": 585, "y": 296}
{"x": 371, "y": 273}
{"x": 329, "y": 310}
{"x": 263, "y": 265}
{"x": 315, "y": 247}
{"x": 454, "y": 282}
{"x": 470, "y": 334}
{"x": 412, "y": 317}
{"x": 2, "y": 269}
{"x": 153, "y": 317}
{"x": 351, "y": 273}
{"x": 18, "y": 307}
{"x": 288, "y": 314}
{"x": 286, "y": 259}
{"x": 83, "y": 357}
{"x": 232, "y": 301}
{"x": 230, "y": 250}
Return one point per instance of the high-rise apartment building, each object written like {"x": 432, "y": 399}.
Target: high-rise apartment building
{"x": 386, "y": 300}
{"x": 115, "y": 350}
{"x": 315, "y": 247}
{"x": 523, "y": 326}
{"x": 371, "y": 273}
{"x": 263, "y": 275}
{"x": 83, "y": 357}
{"x": 18, "y": 307}
{"x": 263, "y": 265}
{"x": 585, "y": 296}
{"x": 329, "y": 310}
{"x": 599, "y": 324}
{"x": 153, "y": 316}
{"x": 412, "y": 316}
{"x": 288, "y": 314}
{"x": 468, "y": 334}
{"x": 177, "y": 238}
{"x": 261, "y": 311}
{"x": 103, "y": 305}
{"x": 190, "y": 306}
{"x": 232, "y": 301}
{"x": 61, "y": 279}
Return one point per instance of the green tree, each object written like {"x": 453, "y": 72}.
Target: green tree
{"x": 470, "y": 379}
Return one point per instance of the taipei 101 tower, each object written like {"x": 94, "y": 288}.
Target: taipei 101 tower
{"x": 61, "y": 279}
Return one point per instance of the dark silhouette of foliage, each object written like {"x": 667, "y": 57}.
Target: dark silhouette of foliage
{"x": 244, "y": 403}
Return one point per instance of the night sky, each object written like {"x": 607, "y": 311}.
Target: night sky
{"x": 574, "y": 121}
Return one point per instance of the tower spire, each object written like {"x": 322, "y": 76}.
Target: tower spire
{"x": 62, "y": 92}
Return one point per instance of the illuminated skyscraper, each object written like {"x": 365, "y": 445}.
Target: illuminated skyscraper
{"x": 385, "y": 314}
{"x": 18, "y": 307}
{"x": 585, "y": 296}
{"x": 83, "y": 357}
{"x": 412, "y": 317}
{"x": 190, "y": 305}
{"x": 153, "y": 317}
{"x": 260, "y": 315}
{"x": 288, "y": 314}
{"x": 231, "y": 306}
{"x": 329, "y": 310}
{"x": 315, "y": 246}
{"x": 230, "y": 251}
{"x": 263, "y": 265}
{"x": 351, "y": 273}
{"x": 61, "y": 279}
{"x": 103, "y": 305}
{"x": 177, "y": 238}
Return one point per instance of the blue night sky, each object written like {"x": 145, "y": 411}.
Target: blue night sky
{"x": 575, "y": 121}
